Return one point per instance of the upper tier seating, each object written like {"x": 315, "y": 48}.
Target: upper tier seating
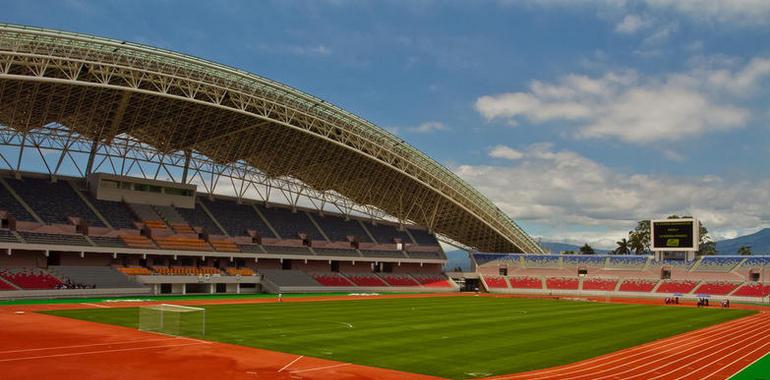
{"x": 290, "y": 224}
{"x": 250, "y": 248}
{"x": 627, "y": 262}
{"x": 30, "y": 278}
{"x": 236, "y": 218}
{"x": 148, "y": 216}
{"x": 381, "y": 253}
{"x": 756, "y": 262}
{"x": 98, "y": 276}
{"x": 387, "y": 233}
{"x": 53, "y": 202}
{"x": 174, "y": 219}
{"x": 287, "y": 250}
{"x": 8, "y": 236}
{"x": 542, "y": 261}
{"x": 339, "y": 229}
{"x": 716, "y": 288}
{"x": 331, "y": 279}
{"x": 117, "y": 213}
{"x": 288, "y": 277}
{"x": 637, "y": 285}
{"x": 134, "y": 271}
{"x": 588, "y": 261}
{"x": 424, "y": 255}
{"x": 61, "y": 239}
{"x": 186, "y": 271}
{"x": 485, "y": 258}
{"x": 335, "y": 252}
{"x": 366, "y": 279}
{"x": 717, "y": 264}
{"x": 422, "y": 237}
{"x": 562, "y": 283}
{"x": 181, "y": 242}
{"x": 137, "y": 241}
{"x": 496, "y": 282}
{"x": 224, "y": 245}
{"x": 397, "y": 279}
{"x": 684, "y": 287}
{"x": 243, "y": 271}
{"x": 197, "y": 217}
{"x": 599, "y": 284}
{"x": 432, "y": 280}
{"x": 108, "y": 241}
{"x": 10, "y": 204}
{"x": 525, "y": 282}
{"x": 753, "y": 290}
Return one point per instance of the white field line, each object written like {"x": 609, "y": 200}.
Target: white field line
{"x": 320, "y": 368}
{"x": 101, "y": 352}
{"x": 83, "y": 345}
{"x": 290, "y": 363}
{"x": 622, "y": 355}
{"x": 734, "y": 361}
{"x": 96, "y": 305}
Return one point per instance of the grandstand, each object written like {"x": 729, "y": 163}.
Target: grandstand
{"x": 736, "y": 277}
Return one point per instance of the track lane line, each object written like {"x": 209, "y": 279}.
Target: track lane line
{"x": 290, "y": 363}
{"x": 83, "y": 345}
{"x": 101, "y": 352}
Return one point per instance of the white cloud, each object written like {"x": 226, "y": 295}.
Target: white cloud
{"x": 314, "y": 50}
{"x": 634, "y": 108}
{"x": 631, "y": 24}
{"x": 429, "y": 127}
{"x": 506, "y": 152}
{"x": 581, "y": 200}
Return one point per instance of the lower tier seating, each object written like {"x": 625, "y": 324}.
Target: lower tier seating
{"x": 562, "y": 283}
{"x": 240, "y": 271}
{"x": 525, "y": 282}
{"x": 599, "y": 284}
{"x": 432, "y": 280}
{"x": 331, "y": 279}
{"x": 753, "y": 290}
{"x": 637, "y": 285}
{"x": 30, "y": 278}
{"x": 496, "y": 282}
{"x": 186, "y": 271}
{"x": 394, "y": 279}
{"x": 5, "y": 285}
{"x": 134, "y": 271}
{"x": 716, "y": 288}
{"x": 365, "y": 279}
{"x": 683, "y": 287}
{"x": 100, "y": 277}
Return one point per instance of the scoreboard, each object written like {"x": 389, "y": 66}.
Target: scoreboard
{"x": 675, "y": 235}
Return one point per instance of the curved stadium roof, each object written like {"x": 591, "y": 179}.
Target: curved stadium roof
{"x": 103, "y": 88}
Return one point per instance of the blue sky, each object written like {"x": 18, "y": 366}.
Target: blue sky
{"x": 576, "y": 117}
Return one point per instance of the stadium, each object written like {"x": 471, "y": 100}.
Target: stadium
{"x": 165, "y": 216}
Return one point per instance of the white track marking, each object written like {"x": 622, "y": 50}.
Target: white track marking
{"x": 739, "y": 359}
{"x": 320, "y": 368}
{"x": 749, "y": 365}
{"x": 95, "y": 305}
{"x": 724, "y": 366}
{"x": 290, "y": 363}
{"x": 100, "y": 352}
{"x": 83, "y": 345}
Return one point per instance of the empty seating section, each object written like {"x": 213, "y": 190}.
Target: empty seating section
{"x": 108, "y": 241}
{"x": 679, "y": 264}
{"x": 637, "y": 285}
{"x": 365, "y": 279}
{"x": 562, "y": 283}
{"x": 432, "y": 280}
{"x": 542, "y": 261}
{"x": 287, "y": 250}
{"x": 93, "y": 276}
{"x": 4, "y": 285}
{"x": 756, "y": 262}
{"x": 181, "y": 242}
{"x": 525, "y": 282}
{"x": 288, "y": 278}
{"x": 628, "y": 262}
{"x": 30, "y": 278}
{"x": 496, "y": 282}
{"x": 387, "y": 233}
{"x": 236, "y": 218}
{"x": 172, "y": 217}
{"x": 197, "y": 217}
{"x": 53, "y": 202}
{"x": 137, "y": 241}
{"x": 117, "y": 213}
{"x": 339, "y": 229}
{"x": 250, "y": 248}
{"x": 8, "y": 236}
{"x": 395, "y": 279}
{"x": 290, "y": 224}
{"x": 485, "y": 258}
{"x": 331, "y": 279}
{"x": 224, "y": 245}
{"x": 381, "y": 253}
{"x": 335, "y": 252}
{"x": 422, "y": 237}
{"x": 240, "y": 271}
{"x": 599, "y": 284}
{"x": 60, "y": 239}
{"x": 753, "y": 290}
{"x": 588, "y": 261}
{"x": 134, "y": 271}
{"x": 717, "y": 264}
{"x": 424, "y": 255}
{"x": 10, "y": 204}
{"x": 684, "y": 287}
{"x": 148, "y": 216}
{"x": 186, "y": 271}
{"x": 716, "y": 288}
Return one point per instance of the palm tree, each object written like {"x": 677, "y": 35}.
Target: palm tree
{"x": 586, "y": 250}
{"x": 636, "y": 243}
{"x": 623, "y": 247}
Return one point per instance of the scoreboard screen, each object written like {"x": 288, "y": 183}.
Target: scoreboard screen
{"x": 675, "y": 235}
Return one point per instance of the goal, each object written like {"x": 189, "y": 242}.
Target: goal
{"x": 173, "y": 320}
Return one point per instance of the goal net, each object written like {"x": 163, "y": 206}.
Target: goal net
{"x": 173, "y": 320}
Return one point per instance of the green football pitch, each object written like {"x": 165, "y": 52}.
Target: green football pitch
{"x": 454, "y": 337}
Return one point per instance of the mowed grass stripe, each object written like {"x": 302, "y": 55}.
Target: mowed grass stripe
{"x": 454, "y": 337}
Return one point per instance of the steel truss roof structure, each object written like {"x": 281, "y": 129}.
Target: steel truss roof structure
{"x": 117, "y": 101}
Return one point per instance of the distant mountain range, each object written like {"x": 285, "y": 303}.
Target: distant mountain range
{"x": 758, "y": 241}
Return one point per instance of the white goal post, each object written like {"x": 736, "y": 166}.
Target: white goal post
{"x": 173, "y": 320}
